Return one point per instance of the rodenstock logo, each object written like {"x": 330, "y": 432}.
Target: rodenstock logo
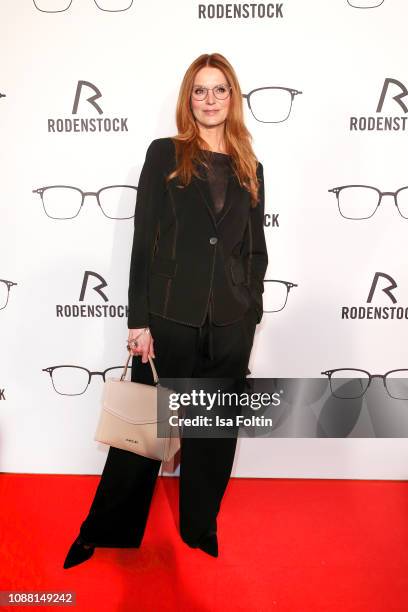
{"x": 2, "y": 394}
{"x": 382, "y": 287}
{"x": 392, "y": 96}
{"x": 240, "y": 10}
{"x": 87, "y": 95}
{"x": 92, "y": 281}
{"x": 271, "y": 220}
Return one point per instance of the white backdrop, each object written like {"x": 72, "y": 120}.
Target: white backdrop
{"x": 339, "y": 57}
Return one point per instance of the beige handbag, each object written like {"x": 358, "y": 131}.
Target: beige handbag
{"x": 129, "y": 417}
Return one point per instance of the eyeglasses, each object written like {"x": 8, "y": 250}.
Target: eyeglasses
{"x": 276, "y": 295}
{"x": 271, "y": 104}
{"x": 221, "y": 92}
{"x": 2, "y": 95}
{"x": 65, "y": 202}
{"x": 58, "y": 6}
{"x": 351, "y": 383}
{"x": 361, "y": 201}
{"x": 365, "y": 3}
{"x": 5, "y": 292}
{"x": 74, "y": 380}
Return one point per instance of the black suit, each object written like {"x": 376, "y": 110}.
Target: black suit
{"x": 178, "y": 270}
{"x": 183, "y": 257}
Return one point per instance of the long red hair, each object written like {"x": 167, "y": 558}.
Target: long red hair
{"x": 188, "y": 143}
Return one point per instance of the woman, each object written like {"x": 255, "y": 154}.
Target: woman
{"x": 195, "y": 296}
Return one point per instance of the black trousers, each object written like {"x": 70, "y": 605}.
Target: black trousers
{"x": 119, "y": 511}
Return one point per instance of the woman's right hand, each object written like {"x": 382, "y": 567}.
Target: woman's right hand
{"x": 145, "y": 343}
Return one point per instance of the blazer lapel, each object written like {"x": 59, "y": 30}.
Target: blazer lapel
{"x": 203, "y": 189}
{"x": 232, "y": 194}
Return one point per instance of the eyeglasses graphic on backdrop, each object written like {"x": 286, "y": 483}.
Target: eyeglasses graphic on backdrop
{"x": 352, "y": 383}
{"x": 271, "y": 104}
{"x": 58, "y": 6}
{"x": 361, "y": 201}
{"x": 65, "y": 202}
{"x": 5, "y": 292}
{"x": 365, "y": 3}
{"x": 74, "y": 380}
{"x": 276, "y": 295}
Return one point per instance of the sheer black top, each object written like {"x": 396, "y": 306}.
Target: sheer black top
{"x": 217, "y": 175}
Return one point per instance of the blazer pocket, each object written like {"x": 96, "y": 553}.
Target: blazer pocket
{"x": 237, "y": 271}
{"x": 164, "y": 267}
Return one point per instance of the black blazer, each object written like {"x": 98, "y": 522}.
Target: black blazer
{"x": 183, "y": 258}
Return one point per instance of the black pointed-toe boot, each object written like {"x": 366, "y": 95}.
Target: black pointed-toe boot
{"x": 208, "y": 541}
{"x": 209, "y": 544}
{"x": 79, "y": 552}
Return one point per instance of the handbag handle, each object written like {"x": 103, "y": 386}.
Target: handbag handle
{"x": 155, "y": 377}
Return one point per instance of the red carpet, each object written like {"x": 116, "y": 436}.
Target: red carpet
{"x": 286, "y": 545}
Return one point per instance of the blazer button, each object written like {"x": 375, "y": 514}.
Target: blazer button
{"x": 213, "y": 240}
